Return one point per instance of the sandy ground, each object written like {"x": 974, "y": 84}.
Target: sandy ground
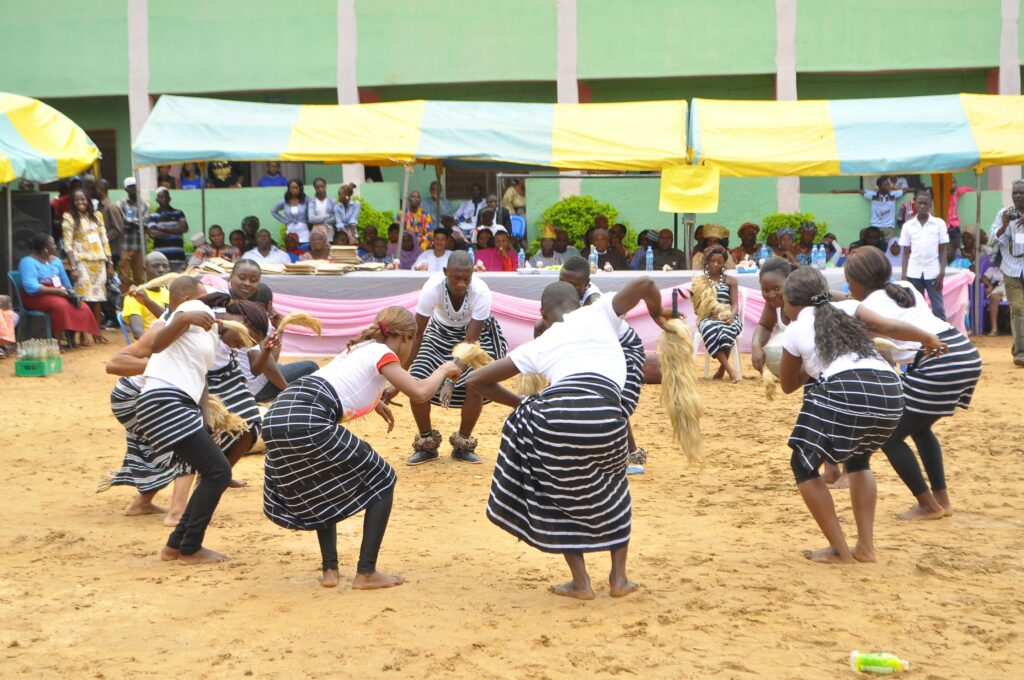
{"x": 724, "y": 592}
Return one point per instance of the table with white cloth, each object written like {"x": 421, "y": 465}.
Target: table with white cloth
{"x": 347, "y": 304}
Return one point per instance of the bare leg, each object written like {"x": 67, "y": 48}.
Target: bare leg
{"x": 819, "y": 501}
{"x": 942, "y": 498}
{"x": 142, "y": 504}
{"x": 630, "y": 439}
{"x": 179, "y": 499}
{"x": 993, "y": 313}
{"x": 421, "y": 414}
{"x": 723, "y": 359}
{"x": 579, "y": 587}
{"x": 619, "y": 582}
{"x": 864, "y": 497}
{"x": 471, "y": 409}
{"x": 240, "y": 448}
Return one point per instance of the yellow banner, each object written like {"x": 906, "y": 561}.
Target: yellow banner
{"x": 689, "y": 188}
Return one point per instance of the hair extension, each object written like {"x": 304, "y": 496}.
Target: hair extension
{"x": 679, "y": 395}
{"x": 471, "y": 354}
{"x": 835, "y": 332}
{"x": 301, "y": 319}
{"x": 389, "y": 321}
{"x": 871, "y": 269}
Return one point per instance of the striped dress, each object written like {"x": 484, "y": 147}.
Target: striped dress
{"x": 229, "y": 384}
{"x": 165, "y": 416}
{"x": 143, "y": 468}
{"x": 436, "y": 348}
{"x": 936, "y": 386}
{"x": 719, "y": 336}
{"x": 317, "y": 472}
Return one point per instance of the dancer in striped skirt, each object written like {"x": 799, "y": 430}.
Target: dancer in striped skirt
{"x": 169, "y": 411}
{"x": 454, "y": 307}
{"x": 849, "y": 412}
{"x": 560, "y": 482}
{"x": 576, "y": 272}
{"x": 711, "y": 292}
{"x": 933, "y": 387}
{"x": 317, "y": 472}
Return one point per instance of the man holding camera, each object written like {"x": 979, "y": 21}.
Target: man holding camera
{"x": 1007, "y": 235}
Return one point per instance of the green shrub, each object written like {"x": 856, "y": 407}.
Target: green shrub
{"x": 576, "y": 215}
{"x": 371, "y": 217}
{"x": 772, "y": 223}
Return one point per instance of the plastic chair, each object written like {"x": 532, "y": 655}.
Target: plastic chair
{"x": 734, "y": 353}
{"x": 518, "y": 226}
{"x": 26, "y": 314}
{"x": 124, "y": 329}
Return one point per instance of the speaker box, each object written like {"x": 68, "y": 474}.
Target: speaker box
{"x": 30, "y": 215}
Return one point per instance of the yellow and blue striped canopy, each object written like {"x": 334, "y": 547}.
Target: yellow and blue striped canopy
{"x": 38, "y": 143}
{"x": 628, "y": 136}
{"x": 857, "y": 136}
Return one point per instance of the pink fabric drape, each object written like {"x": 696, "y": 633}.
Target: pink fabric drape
{"x": 344, "y": 319}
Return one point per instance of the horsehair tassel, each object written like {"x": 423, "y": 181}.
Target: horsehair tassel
{"x": 241, "y": 329}
{"x": 472, "y": 354}
{"x": 771, "y": 384}
{"x": 301, "y": 319}
{"x": 530, "y": 383}
{"x": 224, "y": 421}
{"x": 679, "y": 395}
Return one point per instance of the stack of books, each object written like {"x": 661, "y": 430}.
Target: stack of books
{"x": 344, "y": 255}
{"x": 301, "y": 267}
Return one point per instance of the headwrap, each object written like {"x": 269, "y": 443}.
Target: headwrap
{"x": 324, "y": 231}
{"x": 407, "y": 258}
{"x": 716, "y": 231}
{"x": 785, "y": 230}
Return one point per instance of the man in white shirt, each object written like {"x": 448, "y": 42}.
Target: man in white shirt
{"x": 923, "y": 241}
{"x": 468, "y": 211}
{"x": 266, "y": 252}
{"x": 435, "y": 259}
{"x": 1007, "y": 235}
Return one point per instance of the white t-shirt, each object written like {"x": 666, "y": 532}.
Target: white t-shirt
{"x": 585, "y": 341}
{"x": 590, "y": 291}
{"x": 798, "y": 340}
{"x": 255, "y": 383}
{"x": 476, "y": 306}
{"x": 433, "y": 262}
{"x": 920, "y": 315}
{"x": 275, "y": 256}
{"x": 883, "y": 208}
{"x": 355, "y": 376}
{"x": 184, "y": 364}
{"x": 300, "y": 229}
{"x": 924, "y": 240}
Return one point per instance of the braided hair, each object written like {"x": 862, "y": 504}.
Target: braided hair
{"x": 835, "y": 332}
{"x": 871, "y": 269}
{"x": 390, "y": 321}
{"x": 252, "y": 314}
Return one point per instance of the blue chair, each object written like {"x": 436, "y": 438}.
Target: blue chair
{"x": 26, "y": 314}
{"x": 124, "y": 329}
{"x": 518, "y": 226}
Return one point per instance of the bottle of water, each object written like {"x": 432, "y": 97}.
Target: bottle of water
{"x": 649, "y": 260}
{"x": 522, "y": 259}
{"x": 593, "y": 259}
{"x": 765, "y": 253}
{"x": 822, "y": 256}
{"x": 472, "y": 255}
{"x": 881, "y": 664}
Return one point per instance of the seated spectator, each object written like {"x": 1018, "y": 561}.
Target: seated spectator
{"x": 293, "y": 211}
{"x": 712, "y": 235}
{"x": 995, "y": 291}
{"x": 666, "y": 254}
{"x": 436, "y": 205}
{"x": 321, "y": 207}
{"x": 237, "y": 239}
{"x": 499, "y": 215}
{"x": 805, "y": 246}
{"x": 748, "y": 246}
{"x": 366, "y": 245}
{"x": 346, "y": 214}
{"x": 8, "y": 324}
{"x": 961, "y": 257}
{"x": 141, "y": 306}
{"x": 191, "y": 176}
{"x": 484, "y": 237}
{"x": 617, "y": 234}
{"x": 601, "y": 242}
{"x": 379, "y": 253}
{"x": 547, "y": 256}
{"x": 456, "y": 240}
{"x": 164, "y": 178}
{"x": 435, "y": 259}
{"x": 292, "y": 246}
{"x": 167, "y": 225}
{"x": 786, "y": 248}
{"x": 45, "y": 287}
{"x": 273, "y": 178}
{"x": 250, "y": 226}
{"x": 486, "y": 222}
{"x": 216, "y": 247}
{"x": 500, "y": 258}
{"x": 319, "y": 243}
{"x": 647, "y": 237}
{"x": 266, "y": 252}
{"x": 224, "y": 175}
{"x": 468, "y": 212}
{"x": 871, "y": 236}
{"x": 394, "y": 232}
{"x": 514, "y": 198}
{"x": 416, "y": 219}
{"x": 562, "y": 245}
{"x": 410, "y": 250}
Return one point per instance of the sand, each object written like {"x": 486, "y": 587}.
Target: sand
{"x": 724, "y": 590}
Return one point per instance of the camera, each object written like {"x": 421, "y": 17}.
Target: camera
{"x": 1013, "y": 213}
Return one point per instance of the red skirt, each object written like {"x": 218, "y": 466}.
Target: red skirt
{"x": 64, "y": 316}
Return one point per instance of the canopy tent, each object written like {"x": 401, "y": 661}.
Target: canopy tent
{"x": 38, "y": 143}
{"x": 628, "y": 136}
{"x": 944, "y": 133}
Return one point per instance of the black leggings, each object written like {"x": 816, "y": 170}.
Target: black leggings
{"x": 918, "y": 427}
{"x": 375, "y": 522}
{"x": 199, "y": 451}
{"x": 850, "y": 465}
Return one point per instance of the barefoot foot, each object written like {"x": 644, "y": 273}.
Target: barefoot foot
{"x": 236, "y": 484}
{"x": 377, "y": 579}
{"x": 570, "y": 589}
{"x": 137, "y": 507}
{"x": 843, "y": 482}
{"x": 921, "y": 512}
{"x": 172, "y": 519}
{"x": 862, "y": 554}
{"x": 169, "y": 554}
{"x": 622, "y": 587}
{"x": 330, "y": 578}
{"x": 202, "y": 556}
{"x": 827, "y": 556}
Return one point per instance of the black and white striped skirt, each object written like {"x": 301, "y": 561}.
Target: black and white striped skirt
{"x": 560, "y": 480}
{"x": 229, "y": 385}
{"x": 849, "y": 414}
{"x": 719, "y": 336}
{"x": 633, "y": 348}
{"x": 142, "y": 468}
{"x": 317, "y": 472}
{"x": 936, "y": 386}
{"x": 436, "y": 348}
{"x": 165, "y": 416}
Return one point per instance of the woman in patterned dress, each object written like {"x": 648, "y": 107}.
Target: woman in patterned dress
{"x": 89, "y": 262}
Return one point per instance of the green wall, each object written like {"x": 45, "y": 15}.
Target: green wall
{"x": 874, "y": 85}
{"x": 64, "y": 48}
{"x": 646, "y": 38}
{"x": 97, "y": 113}
{"x": 530, "y": 93}
{"x": 411, "y": 41}
{"x": 708, "y": 87}
{"x": 204, "y": 46}
{"x": 879, "y": 35}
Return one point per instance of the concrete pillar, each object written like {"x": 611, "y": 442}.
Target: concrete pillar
{"x": 1009, "y": 83}
{"x": 139, "y": 104}
{"x": 348, "y": 90}
{"x": 787, "y": 188}
{"x": 567, "y": 86}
